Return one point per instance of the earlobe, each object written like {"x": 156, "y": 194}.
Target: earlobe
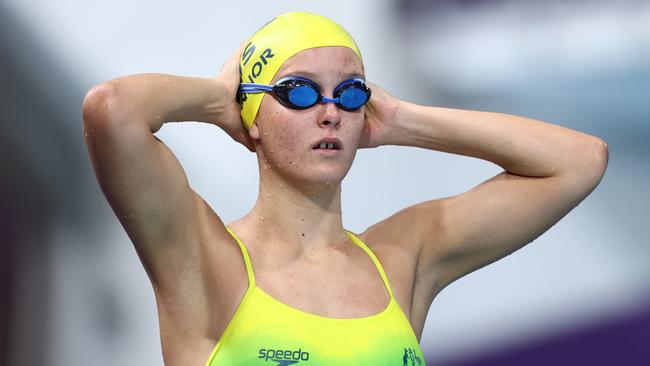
{"x": 254, "y": 132}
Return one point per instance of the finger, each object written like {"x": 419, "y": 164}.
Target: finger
{"x": 234, "y": 58}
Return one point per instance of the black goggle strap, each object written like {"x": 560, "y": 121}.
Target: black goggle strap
{"x": 254, "y": 88}
{"x": 290, "y": 81}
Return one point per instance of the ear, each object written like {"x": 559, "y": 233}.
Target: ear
{"x": 254, "y": 132}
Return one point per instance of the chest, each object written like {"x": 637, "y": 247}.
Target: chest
{"x": 328, "y": 291}
{"x": 339, "y": 285}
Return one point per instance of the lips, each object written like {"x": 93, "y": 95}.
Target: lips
{"x": 328, "y": 143}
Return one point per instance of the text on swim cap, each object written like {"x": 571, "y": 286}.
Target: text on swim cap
{"x": 258, "y": 66}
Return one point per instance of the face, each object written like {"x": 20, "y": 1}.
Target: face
{"x": 288, "y": 140}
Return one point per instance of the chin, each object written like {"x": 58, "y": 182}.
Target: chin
{"x": 307, "y": 171}
{"x": 320, "y": 176}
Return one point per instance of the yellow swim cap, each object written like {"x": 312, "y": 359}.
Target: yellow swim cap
{"x": 271, "y": 46}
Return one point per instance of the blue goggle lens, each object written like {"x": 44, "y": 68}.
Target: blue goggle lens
{"x": 302, "y": 96}
{"x": 353, "y": 98}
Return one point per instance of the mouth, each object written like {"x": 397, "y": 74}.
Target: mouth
{"x": 328, "y": 144}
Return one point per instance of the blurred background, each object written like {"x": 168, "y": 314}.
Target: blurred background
{"x": 72, "y": 290}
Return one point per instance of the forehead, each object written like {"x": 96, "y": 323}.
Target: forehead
{"x": 340, "y": 62}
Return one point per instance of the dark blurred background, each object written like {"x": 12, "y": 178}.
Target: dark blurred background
{"x": 73, "y": 291}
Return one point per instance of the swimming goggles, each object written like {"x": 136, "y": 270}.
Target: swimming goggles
{"x": 300, "y": 93}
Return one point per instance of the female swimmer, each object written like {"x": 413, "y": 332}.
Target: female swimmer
{"x": 286, "y": 284}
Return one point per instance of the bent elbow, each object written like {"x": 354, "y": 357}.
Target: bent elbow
{"x": 97, "y": 106}
{"x": 600, "y": 158}
{"x": 592, "y": 164}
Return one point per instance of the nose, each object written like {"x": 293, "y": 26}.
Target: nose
{"x": 330, "y": 115}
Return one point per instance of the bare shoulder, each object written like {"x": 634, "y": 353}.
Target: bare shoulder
{"x": 401, "y": 235}
{"x": 397, "y": 242}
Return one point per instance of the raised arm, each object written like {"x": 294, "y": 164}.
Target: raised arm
{"x": 548, "y": 171}
{"x": 140, "y": 177}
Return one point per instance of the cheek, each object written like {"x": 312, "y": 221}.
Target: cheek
{"x": 284, "y": 140}
{"x": 355, "y": 125}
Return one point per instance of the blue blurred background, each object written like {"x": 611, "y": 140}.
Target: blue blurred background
{"x": 73, "y": 291}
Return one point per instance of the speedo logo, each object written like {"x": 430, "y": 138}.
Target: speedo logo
{"x": 283, "y": 357}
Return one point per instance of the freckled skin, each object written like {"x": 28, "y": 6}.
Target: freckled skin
{"x": 284, "y": 137}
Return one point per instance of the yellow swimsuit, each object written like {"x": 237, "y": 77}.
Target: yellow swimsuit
{"x": 266, "y": 332}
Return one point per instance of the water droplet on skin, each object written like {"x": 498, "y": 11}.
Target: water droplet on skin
{"x": 262, "y": 218}
{"x": 158, "y": 117}
{"x": 86, "y": 134}
{"x": 109, "y": 106}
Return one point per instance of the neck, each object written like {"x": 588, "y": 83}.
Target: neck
{"x": 300, "y": 216}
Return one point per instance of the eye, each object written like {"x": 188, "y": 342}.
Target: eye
{"x": 302, "y": 95}
{"x": 353, "y": 97}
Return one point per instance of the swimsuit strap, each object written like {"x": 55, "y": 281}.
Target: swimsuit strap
{"x": 247, "y": 259}
{"x": 372, "y": 256}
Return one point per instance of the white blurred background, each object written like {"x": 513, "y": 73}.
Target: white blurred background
{"x": 73, "y": 290}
